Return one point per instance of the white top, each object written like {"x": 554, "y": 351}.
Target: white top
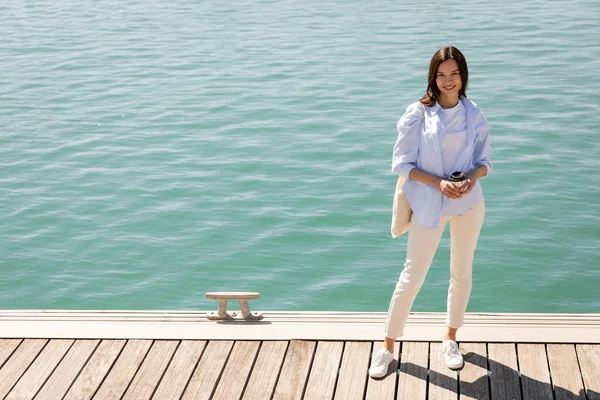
{"x": 454, "y": 121}
{"x": 453, "y": 141}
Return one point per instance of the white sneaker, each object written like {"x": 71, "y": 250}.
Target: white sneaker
{"x": 380, "y": 363}
{"x": 452, "y": 356}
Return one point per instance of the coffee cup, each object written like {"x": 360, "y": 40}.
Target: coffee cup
{"x": 458, "y": 178}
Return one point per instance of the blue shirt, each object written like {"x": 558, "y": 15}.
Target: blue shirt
{"x": 421, "y": 134}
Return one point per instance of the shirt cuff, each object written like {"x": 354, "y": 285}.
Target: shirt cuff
{"x": 405, "y": 169}
{"x": 487, "y": 165}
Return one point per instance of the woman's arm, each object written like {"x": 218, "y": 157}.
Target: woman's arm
{"x": 482, "y": 150}
{"x": 444, "y": 186}
{"x": 478, "y": 172}
{"x": 481, "y": 156}
{"x": 472, "y": 177}
{"x": 406, "y": 149}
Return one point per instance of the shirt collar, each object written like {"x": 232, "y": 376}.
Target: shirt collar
{"x": 436, "y": 107}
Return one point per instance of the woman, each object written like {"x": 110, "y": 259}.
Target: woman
{"x": 442, "y": 133}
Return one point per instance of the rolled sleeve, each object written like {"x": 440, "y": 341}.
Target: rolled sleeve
{"x": 482, "y": 151}
{"x": 406, "y": 148}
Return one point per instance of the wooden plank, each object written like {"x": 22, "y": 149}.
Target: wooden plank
{"x": 206, "y": 375}
{"x": 353, "y": 372}
{"x": 535, "y": 377}
{"x": 68, "y": 369}
{"x": 236, "y": 373}
{"x": 538, "y": 319}
{"x": 266, "y": 370}
{"x": 180, "y": 370}
{"x": 123, "y": 370}
{"x": 37, "y": 373}
{"x": 148, "y": 376}
{"x": 339, "y": 326}
{"x": 412, "y": 378}
{"x": 324, "y": 371}
{"x": 443, "y": 382}
{"x": 95, "y": 370}
{"x": 564, "y": 369}
{"x": 589, "y": 362}
{"x": 295, "y": 370}
{"x": 7, "y": 347}
{"x": 384, "y": 388}
{"x": 504, "y": 372}
{"x": 474, "y": 380}
{"x": 18, "y": 363}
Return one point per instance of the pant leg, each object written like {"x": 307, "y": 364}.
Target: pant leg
{"x": 422, "y": 245}
{"x": 464, "y": 232}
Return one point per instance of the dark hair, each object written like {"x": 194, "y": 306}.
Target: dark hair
{"x": 444, "y": 54}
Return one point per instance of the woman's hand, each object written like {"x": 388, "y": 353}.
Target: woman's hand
{"x": 472, "y": 177}
{"x": 468, "y": 186}
{"x": 446, "y": 187}
{"x": 449, "y": 190}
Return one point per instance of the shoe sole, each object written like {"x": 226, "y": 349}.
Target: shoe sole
{"x": 381, "y": 376}
{"x": 456, "y": 368}
{"x": 378, "y": 376}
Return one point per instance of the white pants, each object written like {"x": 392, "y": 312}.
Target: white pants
{"x": 422, "y": 245}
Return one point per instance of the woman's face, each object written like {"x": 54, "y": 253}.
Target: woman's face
{"x": 448, "y": 78}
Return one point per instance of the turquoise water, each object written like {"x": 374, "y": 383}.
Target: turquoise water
{"x": 153, "y": 151}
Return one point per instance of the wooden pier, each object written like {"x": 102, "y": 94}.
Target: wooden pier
{"x": 184, "y": 355}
